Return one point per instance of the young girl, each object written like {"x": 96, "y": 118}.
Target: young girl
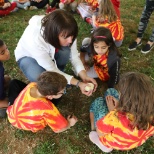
{"x": 106, "y": 57}
{"x": 6, "y": 7}
{"x": 130, "y": 121}
{"x": 109, "y": 18}
{"x": 22, "y": 4}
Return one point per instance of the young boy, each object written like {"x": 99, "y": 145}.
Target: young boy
{"x": 32, "y": 109}
{"x": 4, "y": 79}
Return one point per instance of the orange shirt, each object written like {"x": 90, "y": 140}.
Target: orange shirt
{"x": 34, "y": 114}
{"x": 100, "y": 66}
{"x": 119, "y": 133}
{"x": 115, "y": 27}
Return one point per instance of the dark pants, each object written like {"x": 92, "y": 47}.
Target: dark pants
{"x": 40, "y": 5}
{"x": 54, "y": 3}
{"x": 148, "y": 9}
{"x": 16, "y": 87}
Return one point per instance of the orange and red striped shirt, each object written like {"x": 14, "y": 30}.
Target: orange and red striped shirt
{"x": 100, "y": 66}
{"x": 34, "y": 114}
{"x": 119, "y": 133}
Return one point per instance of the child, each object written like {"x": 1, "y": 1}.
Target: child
{"x": 4, "y": 79}
{"x": 130, "y": 121}
{"x": 105, "y": 56}
{"x": 107, "y": 17}
{"x": 6, "y": 7}
{"x": 32, "y": 110}
{"x": 147, "y": 12}
{"x": 38, "y": 4}
{"x": 53, "y": 6}
{"x": 22, "y": 4}
{"x": 68, "y": 3}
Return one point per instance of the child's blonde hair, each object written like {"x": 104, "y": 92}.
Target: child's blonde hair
{"x": 107, "y": 11}
{"x": 137, "y": 98}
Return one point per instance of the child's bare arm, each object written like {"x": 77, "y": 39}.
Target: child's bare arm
{"x": 71, "y": 122}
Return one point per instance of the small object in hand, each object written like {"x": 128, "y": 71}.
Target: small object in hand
{"x": 89, "y": 87}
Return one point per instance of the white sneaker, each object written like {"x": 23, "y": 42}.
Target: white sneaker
{"x": 33, "y": 8}
{"x": 26, "y": 8}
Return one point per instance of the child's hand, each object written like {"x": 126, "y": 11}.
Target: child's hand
{"x": 72, "y": 120}
{"x": 112, "y": 102}
{"x": 6, "y": 5}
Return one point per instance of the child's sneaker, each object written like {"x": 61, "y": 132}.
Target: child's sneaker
{"x": 26, "y": 8}
{"x": 33, "y": 8}
{"x": 15, "y": 9}
{"x": 147, "y": 48}
{"x": 88, "y": 20}
{"x": 134, "y": 45}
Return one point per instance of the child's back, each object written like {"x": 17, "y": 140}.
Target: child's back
{"x": 130, "y": 121}
{"x": 32, "y": 110}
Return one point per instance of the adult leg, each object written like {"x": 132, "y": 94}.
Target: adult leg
{"x": 30, "y": 68}
{"x": 148, "y": 9}
{"x": 15, "y": 88}
{"x": 62, "y": 57}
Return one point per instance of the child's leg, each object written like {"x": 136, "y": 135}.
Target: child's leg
{"x": 95, "y": 139}
{"x": 15, "y": 88}
{"x": 62, "y": 6}
{"x": 73, "y": 6}
{"x": 92, "y": 121}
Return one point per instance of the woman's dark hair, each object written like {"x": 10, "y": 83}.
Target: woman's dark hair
{"x": 103, "y": 34}
{"x": 59, "y": 21}
{"x": 50, "y": 83}
{"x": 1, "y": 43}
{"x": 137, "y": 98}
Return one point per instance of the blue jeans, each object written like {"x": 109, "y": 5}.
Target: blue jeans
{"x": 32, "y": 69}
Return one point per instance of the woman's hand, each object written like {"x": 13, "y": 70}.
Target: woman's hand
{"x": 112, "y": 102}
{"x": 88, "y": 79}
{"x": 82, "y": 86}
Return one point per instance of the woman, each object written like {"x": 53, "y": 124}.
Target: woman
{"x": 47, "y": 44}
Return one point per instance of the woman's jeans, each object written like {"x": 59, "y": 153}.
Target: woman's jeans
{"x": 32, "y": 69}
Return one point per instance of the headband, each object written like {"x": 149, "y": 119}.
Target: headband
{"x": 99, "y": 36}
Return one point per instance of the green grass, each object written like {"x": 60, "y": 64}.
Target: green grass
{"x": 75, "y": 140}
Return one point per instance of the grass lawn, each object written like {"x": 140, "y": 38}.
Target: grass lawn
{"x": 75, "y": 140}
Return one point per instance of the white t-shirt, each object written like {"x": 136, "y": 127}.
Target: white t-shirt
{"x": 32, "y": 44}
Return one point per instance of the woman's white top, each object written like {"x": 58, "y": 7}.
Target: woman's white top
{"x": 32, "y": 44}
